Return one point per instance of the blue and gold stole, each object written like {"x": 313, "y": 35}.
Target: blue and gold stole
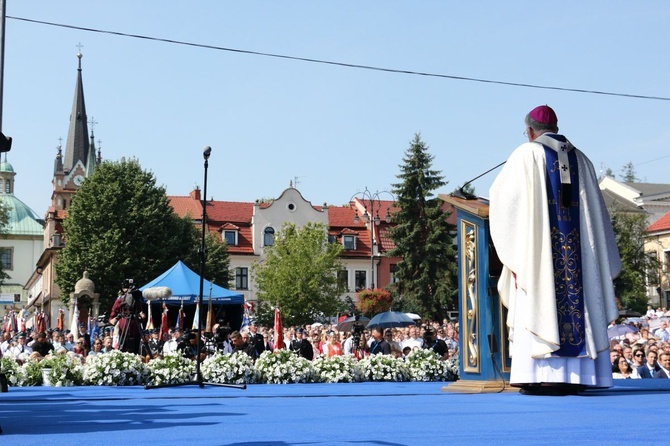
{"x": 563, "y": 202}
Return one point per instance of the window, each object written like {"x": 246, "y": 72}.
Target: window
{"x": 394, "y": 271}
{"x": 230, "y": 237}
{"x": 8, "y": 186}
{"x": 361, "y": 280}
{"x": 349, "y": 242}
{"x": 6, "y": 258}
{"x": 343, "y": 279}
{"x": 242, "y": 278}
{"x": 332, "y": 239}
{"x": 269, "y": 236}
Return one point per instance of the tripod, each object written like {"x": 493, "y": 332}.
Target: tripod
{"x": 198, "y": 374}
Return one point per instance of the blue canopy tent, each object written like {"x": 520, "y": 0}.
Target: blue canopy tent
{"x": 185, "y": 286}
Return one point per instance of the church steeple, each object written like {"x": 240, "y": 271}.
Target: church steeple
{"x": 77, "y": 146}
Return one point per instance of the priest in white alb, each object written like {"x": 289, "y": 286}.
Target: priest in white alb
{"x": 554, "y": 237}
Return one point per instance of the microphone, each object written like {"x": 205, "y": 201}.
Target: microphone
{"x": 461, "y": 192}
{"x": 157, "y": 292}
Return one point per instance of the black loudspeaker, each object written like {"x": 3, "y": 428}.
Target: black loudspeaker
{"x": 5, "y": 143}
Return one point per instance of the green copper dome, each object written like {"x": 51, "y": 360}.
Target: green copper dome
{"x": 6, "y": 167}
{"x": 21, "y": 219}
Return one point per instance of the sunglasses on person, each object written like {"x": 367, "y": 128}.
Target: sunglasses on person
{"x": 639, "y": 355}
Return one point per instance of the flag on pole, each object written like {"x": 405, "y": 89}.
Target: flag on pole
{"x": 180, "y": 315}
{"x": 40, "y": 321}
{"x": 150, "y": 319}
{"x": 92, "y": 328}
{"x": 245, "y": 321}
{"x": 60, "y": 324}
{"x": 164, "y": 324}
{"x": 12, "y": 320}
{"x": 74, "y": 324}
{"x": 196, "y": 317}
{"x": 210, "y": 312}
{"x": 23, "y": 315}
{"x": 279, "y": 333}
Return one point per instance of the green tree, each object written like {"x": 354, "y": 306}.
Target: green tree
{"x": 427, "y": 272}
{"x": 628, "y": 173}
{"x": 120, "y": 225}
{"x": 299, "y": 275}
{"x": 4, "y": 220}
{"x": 630, "y": 286}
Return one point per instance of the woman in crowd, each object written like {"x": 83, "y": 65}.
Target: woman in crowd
{"x": 621, "y": 369}
{"x": 332, "y": 346}
{"x": 638, "y": 356}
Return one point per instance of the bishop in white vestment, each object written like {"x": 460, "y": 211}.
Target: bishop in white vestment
{"x": 554, "y": 237}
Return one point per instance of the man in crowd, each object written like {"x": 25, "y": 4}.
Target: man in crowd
{"x": 41, "y": 345}
{"x": 553, "y": 235}
{"x": 414, "y": 341}
{"x": 664, "y": 365}
{"x": 302, "y": 346}
{"x": 240, "y": 345}
{"x": 20, "y": 351}
{"x": 662, "y": 333}
{"x": 430, "y": 342}
{"x": 649, "y": 369}
{"x": 255, "y": 338}
{"x": 378, "y": 344}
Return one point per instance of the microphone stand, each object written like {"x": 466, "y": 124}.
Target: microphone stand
{"x": 462, "y": 193}
{"x": 198, "y": 374}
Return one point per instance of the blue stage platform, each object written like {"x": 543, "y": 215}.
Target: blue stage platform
{"x": 329, "y": 414}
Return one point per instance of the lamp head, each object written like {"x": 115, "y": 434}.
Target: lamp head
{"x": 207, "y": 152}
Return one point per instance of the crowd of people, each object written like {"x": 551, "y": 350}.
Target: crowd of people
{"x": 308, "y": 341}
{"x": 644, "y": 351}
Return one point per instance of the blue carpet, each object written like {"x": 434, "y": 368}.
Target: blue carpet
{"x": 327, "y": 414}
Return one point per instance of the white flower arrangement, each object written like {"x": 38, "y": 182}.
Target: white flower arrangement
{"x": 237, "y": 368}
{"x": 171, "y": 369}
{"x": 337, "y": 369}
{"x": 453, "y": 366}
{"x": 426, "y": 365}
{"x": 62, "y": 369}
{"x": 282, "y": 367}
{"x": 383, "y": 368}
{"x": 12, "y": 371}
{"x": 115, "y": 368}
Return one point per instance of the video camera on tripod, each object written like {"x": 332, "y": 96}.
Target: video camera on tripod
{"x": 132, "y": 298}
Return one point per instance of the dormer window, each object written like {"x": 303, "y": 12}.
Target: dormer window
{"x": 349, "y": 242}
{"x": 230, "y": 237}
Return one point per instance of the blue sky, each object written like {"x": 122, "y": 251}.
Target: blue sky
{"x": 337, "y": 130}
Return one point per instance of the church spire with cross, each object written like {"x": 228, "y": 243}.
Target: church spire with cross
{"x": 77, "y": 145}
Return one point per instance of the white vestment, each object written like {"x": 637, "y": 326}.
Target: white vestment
{"x": 519, "y": 223}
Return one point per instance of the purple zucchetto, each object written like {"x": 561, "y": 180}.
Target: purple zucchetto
{"x": 544, "y": 115}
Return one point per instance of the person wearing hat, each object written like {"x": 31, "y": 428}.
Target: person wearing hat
{"x": 20, "y": 349}
{"x": 255, "y": 338}
{"x": 172, "y": 345}
{"x": 301, "y": 346}
{"x": 554, "y": 237}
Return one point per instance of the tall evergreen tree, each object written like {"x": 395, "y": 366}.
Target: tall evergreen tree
{"x": 120, "y": 225}
{"x": 427, "y": 272}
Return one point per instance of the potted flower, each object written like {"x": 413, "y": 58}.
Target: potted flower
{"x": 426, "y": 365}
{"x": 383, "y": 368}
{"x": 237, "y": 368}
{"x": 171, "y": 369}
{"x": 337, "y": 369}
{"x": 60, "y": 370}
{"x": 115, "y": 368}
{"x": 282, "y": 367}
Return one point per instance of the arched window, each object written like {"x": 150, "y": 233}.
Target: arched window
{"x": 269, "y": 236}
{"x": 8, "y": 186}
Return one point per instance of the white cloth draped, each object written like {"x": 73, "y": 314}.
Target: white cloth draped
{"x": 519, "y": 223}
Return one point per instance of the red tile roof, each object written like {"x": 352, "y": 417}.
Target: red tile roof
{"x": 184, "y": 206}
{"x": 662, "y": 224}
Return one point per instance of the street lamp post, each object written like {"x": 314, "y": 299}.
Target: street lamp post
{"x": 372, "y": 201}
